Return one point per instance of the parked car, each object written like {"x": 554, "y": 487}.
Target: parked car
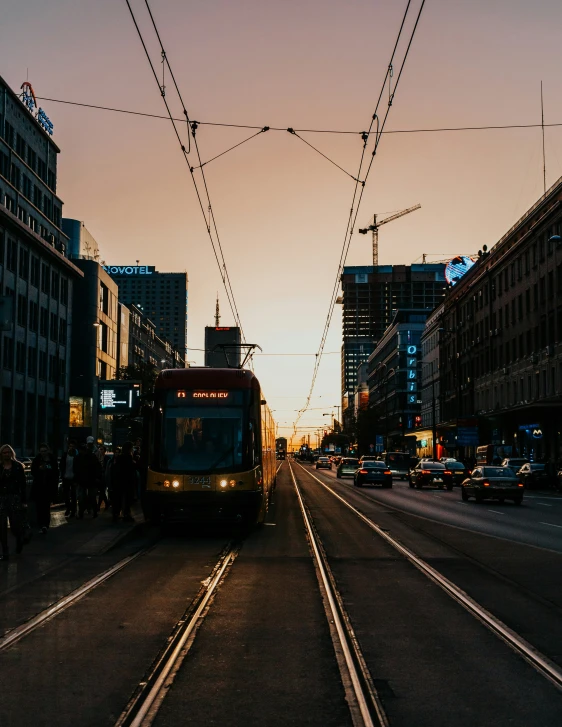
{"x": 499, "y": 483}
{"x": 534, "y": 476}
{"x": 323, "y": 462}
{"x": 373, "y": 473}
{"x": 458, "y": 470}
{"x": 347, "y": 466}
{"x": 514, "y": 462}
{"x": 433, "y": 474}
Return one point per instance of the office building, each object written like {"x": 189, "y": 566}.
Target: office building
{"x": 162, "y": 297}
{"x": 37, "y": 281}
{"x": 146, "y": 346}
{"x": 501, "y": 346}
{"x": 394, "y": 378}
{"x": 81, "y": 243}
{"x": 371, "y": 297}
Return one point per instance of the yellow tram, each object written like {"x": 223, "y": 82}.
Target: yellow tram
{"x": 211, "y": 453}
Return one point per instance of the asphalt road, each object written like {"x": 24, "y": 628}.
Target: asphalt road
{"x": 263, "y": 652}
{"x": 538, "y": 521}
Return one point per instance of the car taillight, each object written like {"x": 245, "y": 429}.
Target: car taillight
{"x": 426, "y": 472}
{"x": 362, "y": 472}
{"x": 387, "y": 472}
{"x": 446, "y": 472}
{"x": 469, "y": 472}
{"x": 520, "y": 484}
{"x": 486, "y": 483}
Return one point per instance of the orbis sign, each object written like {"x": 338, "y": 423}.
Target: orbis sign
{"x": 129, "y": 269}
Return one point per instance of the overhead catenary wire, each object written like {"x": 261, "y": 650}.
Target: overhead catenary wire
{"x": 222, "y": 265}
{"x": 360, "y": 187}
{"x": 431, "y": 130}
{"x": 294, "y": 133}
{"x": 261, "y": 131}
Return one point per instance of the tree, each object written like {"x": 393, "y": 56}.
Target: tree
{"x": 144, "y": 372}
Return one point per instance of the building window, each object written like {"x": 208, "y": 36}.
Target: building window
{"x": 12, "y": 260}
{"x": 31, "y": 158}
{"x": 32, "y": 361}
{"x": 8, "y": 353}
{"x": 20, "y": 357}
{"x": 62, "y": 330}
{"x": 33, "y": 315}
{"x": 24, "y": 263}
{"x": 55, "y": 278}
{"x": 80, "y": 412}
{"x": 44, "y": 322}
{"x": 35, "y": 268}
{"x": 54, "y": 327}
{"x": 42, "y": 365}
{"x": 64, "y": 291}
{"x": 22, "y": 310}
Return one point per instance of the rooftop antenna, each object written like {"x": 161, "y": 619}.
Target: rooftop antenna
{"x": 543, "y": 151}
{"x": 217, "y": 314}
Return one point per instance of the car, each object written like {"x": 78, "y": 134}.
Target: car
{"x": 431, "y": 473}
{"x": 347, "y": 466}
{"x": 493, "y": 482}
{"x": 458, "y": 470}
{"x": 514, "y": 462}
{"x": 534, "y": 476}
{"x": 323, "y": 462}
{"x": 373, "y": 473}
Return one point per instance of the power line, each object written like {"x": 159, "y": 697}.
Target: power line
{"x": 210, "y": 350}
{"x": 489, "y": 127}
{"x": 354, "y": 211}
{"x": 222, "y": 267}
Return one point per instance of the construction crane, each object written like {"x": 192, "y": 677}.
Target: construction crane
{"x": 374, "y": 228}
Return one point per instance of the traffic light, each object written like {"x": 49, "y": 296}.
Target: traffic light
{"x": 418, "y": 421}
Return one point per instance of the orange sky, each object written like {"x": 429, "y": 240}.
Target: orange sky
{"x": 281, "y": 208}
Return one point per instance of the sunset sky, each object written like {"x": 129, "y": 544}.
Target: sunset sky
{"x": 281, "y": 208}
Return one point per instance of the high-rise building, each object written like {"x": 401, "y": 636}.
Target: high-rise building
{"x": 371, "y": 297}
{"x": 162, "y": 297}
{"x": 222, "y": 344}
{"x": 36, "y": 280}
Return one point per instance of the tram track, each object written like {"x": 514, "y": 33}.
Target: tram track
{"x": 365, "y": 705}
{"x": 541, "y": 663}
{"x": 151, "y": 691}
{"x": 20, "y": 632}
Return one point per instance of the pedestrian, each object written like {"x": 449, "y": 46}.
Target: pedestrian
{"x": 103, "y": 460}
{"x": 12, "y": 499}
{"x": 88, "y": 474}
{"x": 68, "y": 478}
{"x": 45, "y": 474}
{"x": 124, "y": 481}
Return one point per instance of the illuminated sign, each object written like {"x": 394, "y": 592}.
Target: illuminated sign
{"x": 181, "y": 395}
{"x": 129, "y": 269}
{"x": 30, "y": 101}
{"x": 457, "y": 267}
{"x": 210, "y": 394}
{"x": 119, "y": 397}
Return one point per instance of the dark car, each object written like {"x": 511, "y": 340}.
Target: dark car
{"x": 347, "y": 466}
{"x": 458, "y": 470}
{"x": 373, "y": 473}
{"x": 515, "y": 463}
{"x": 433, "y": 474}
{"x": 534, "y": 476}
{"x": 323, "y": 462}
{"x": 500, "y": 483}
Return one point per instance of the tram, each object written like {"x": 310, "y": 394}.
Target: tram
{"x": 211, "y": 448}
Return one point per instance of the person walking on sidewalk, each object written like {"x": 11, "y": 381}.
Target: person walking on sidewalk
{"x": 124, "y": 481}
{"x": 12, "y": 498}
{"x": 68, "y": 478}
{"x": 45, "y": 474}
{"x": 103, "y": 459}
{"x": 88, "y": 474}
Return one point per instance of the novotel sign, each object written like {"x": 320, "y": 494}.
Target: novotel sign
{"x": 130, "y": 269}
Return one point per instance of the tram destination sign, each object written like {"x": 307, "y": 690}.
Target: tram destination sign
{"x": 119, "y": 397}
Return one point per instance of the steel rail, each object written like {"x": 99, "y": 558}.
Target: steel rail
{"x": 142, "y": 708}
{"x": 541, "y": 663}
{"x": 20, "y": 631}
{"x": 348, "y": 642}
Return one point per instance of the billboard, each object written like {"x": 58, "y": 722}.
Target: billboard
{"x": 457, "y": 267}
{"x": 119, "y": 397}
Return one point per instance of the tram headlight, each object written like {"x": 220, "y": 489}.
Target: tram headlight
{"x": 223, "y": 483}
{"x": 175, "y": 484}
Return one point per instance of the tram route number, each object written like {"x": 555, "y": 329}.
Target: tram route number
{"x": 204, "y": 481}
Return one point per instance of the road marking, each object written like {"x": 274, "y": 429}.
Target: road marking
{"x": 270, "y": 523}
{"x": 497, "y": 512}
{"x": 544, "y": 504}
{"x": 552, "y": 525}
